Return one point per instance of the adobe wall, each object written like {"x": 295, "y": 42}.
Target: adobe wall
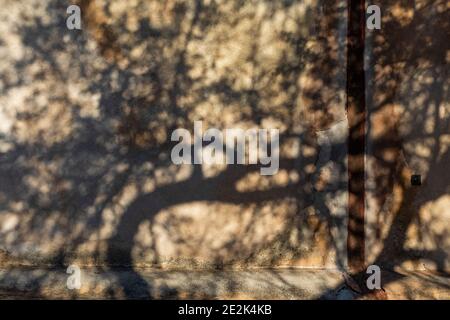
{"x": 86, "y": 119}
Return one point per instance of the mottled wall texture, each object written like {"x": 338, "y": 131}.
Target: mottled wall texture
{"x": 408, "y": 102}
{"x": 86, "y": 118}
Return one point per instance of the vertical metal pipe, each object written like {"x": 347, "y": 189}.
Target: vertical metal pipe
{"x": 356, "y": 113}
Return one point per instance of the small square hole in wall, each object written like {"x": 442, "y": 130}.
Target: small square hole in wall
{"x": 416, "y": 180}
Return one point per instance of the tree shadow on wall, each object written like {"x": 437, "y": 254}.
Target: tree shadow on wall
{"x": 87, "y": 158}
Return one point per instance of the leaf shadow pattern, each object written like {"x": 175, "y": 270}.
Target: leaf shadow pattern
{"x": 406, "y": 91}
{"x": 87, "y": 154}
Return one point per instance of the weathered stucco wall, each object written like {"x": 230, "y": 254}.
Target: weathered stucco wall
{"x": 409, "y": 133}
{"x": 86, "y": 119}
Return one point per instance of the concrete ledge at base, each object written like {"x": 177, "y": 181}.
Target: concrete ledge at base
{"x": 32, "y": 283}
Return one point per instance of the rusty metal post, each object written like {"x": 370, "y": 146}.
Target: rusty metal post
{"x": 356, "y": 112}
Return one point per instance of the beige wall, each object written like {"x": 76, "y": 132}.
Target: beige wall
{"x": 87, "y": 115}
{"x": 408, "y": 103}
